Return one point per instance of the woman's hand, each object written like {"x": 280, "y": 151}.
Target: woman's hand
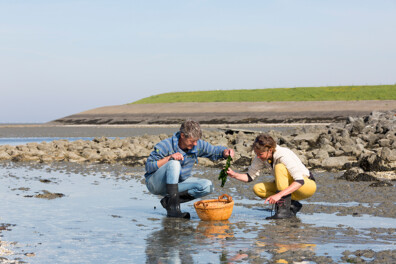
{"x": 276, "y": 197}
{"x": 231, "y": 173}
{"x": 273, "y": 198}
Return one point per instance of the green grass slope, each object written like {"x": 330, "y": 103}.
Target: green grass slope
{"x": 331, "y": 93}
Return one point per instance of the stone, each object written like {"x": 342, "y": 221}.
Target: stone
{"x": 335, "y": 162}
{"x": 322, "y": 154}
{"x": 388, "y": 155}
{"x": 310, "y": 138}
{"x": 4, "y": 155}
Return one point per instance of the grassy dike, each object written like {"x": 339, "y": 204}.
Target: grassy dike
{"x": 331, "y": 93}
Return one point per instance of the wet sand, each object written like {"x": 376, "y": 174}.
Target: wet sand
{"x": 343, "y": 222}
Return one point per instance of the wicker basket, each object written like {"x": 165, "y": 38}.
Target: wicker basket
{"x": 215, "y": 209}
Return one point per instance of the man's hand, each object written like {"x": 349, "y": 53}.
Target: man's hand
{"x": 228, "y": 152}
{"x": 176, "y": 156}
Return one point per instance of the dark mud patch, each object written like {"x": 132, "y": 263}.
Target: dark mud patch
{"x": 49, "y": 195}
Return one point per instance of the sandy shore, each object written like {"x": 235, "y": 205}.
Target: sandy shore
{"x": 227, "y": 112}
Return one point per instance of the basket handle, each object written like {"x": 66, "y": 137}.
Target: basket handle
{"x": 229, "y": 198}
{"x": 201, "y": 202}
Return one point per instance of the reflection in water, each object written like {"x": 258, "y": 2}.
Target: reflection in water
{"x": 177, "y": 240}
{"x": 215, "y": 229}
{"x": 171, "y": 244}
{"x": 293, "y": 241}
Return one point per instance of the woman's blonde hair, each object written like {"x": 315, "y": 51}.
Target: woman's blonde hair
{"x": 264, "y": 142}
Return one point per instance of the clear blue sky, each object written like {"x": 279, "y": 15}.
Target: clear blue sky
{"x": 61, "y": 57}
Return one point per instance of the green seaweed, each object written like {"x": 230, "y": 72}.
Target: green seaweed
{"x": 223, "y": 173}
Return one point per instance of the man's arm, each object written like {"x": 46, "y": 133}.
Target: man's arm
{"x": 209, "y": 151}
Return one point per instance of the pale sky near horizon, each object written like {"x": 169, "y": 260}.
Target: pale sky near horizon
{"x": 59, "y": 58}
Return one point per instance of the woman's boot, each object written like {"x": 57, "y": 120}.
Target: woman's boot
{"x": 171, "y": 202}
{"x": 295, "y": 206}
{"x": 282, "y": 208}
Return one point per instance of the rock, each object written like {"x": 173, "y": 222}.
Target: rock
{"x": 48, "y": 195}
{"x": 357, "y": 126}
{"x": 370, "y": 138}
{"x": 4, "y": 155}
{"x": 365, "y": 177}
{"x": 381, "y": 184}
{"x": 384, "y": 142}
{"x": 205, "y": 162}
{"x": 351, "y": 174}
{"x": 310, "y": 138}
{"x": 347, "y": 149}
{"x": 357, "y": 150}
{"x": 73, "y": 157}
{"x": 314, "y": 163}
{"x": 388, "y": 155}
{"x": 335, "y": 162}
{"x": 322, "y": 154}
{"x": 370, "y": 163}
{"x": 242, "y": 161}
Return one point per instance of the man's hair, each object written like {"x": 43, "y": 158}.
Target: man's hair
{"x": 264, "y": 142}
{"x": 191, "y": 129}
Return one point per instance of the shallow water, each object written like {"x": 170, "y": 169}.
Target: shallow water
{"x": 25, "y": 140}
{"x": 107, "y": 216}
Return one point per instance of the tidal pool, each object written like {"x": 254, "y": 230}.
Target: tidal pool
{"x": 99, "y": 213}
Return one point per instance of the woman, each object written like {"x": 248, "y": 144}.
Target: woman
{"x": 293, "y": 181}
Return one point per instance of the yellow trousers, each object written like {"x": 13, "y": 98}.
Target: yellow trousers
{"x": 283, "y": 179}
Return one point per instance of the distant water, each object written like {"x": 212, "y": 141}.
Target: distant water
{"x": 22, "y": 141}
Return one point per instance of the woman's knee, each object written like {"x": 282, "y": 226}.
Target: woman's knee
{"x": 306, "y": 191}
{"x": 259, "y": 190}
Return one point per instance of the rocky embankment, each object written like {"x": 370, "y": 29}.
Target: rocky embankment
{"x": 365, "y": 147}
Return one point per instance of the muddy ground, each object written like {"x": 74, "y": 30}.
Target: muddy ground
{"x": 344, "y": 222}
{"x": 228, "y": 112}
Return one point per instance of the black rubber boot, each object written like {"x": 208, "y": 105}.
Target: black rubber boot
{"x": 282, "y": 208}
{"x": 171, "y": 202}
{"x": 295, "y": 206}
{"x": 185, "y": 197}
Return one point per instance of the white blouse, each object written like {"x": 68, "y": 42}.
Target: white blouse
{"x": 281, "y": 155}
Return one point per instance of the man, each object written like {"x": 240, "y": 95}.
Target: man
{"x": 168, "y": 168}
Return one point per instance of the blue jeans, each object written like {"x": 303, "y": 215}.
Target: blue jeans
{"x": 169, "y": 174}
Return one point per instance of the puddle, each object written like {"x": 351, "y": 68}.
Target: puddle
{"x": 106, "y": 215}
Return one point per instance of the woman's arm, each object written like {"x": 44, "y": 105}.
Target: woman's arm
{"x": 239, "y": 176}
{"x": 276, "y": 197}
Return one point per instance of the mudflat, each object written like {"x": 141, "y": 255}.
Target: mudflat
{"x": 228, "y": 112}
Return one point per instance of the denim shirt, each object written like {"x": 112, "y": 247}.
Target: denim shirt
{"x": 170, "y": 146}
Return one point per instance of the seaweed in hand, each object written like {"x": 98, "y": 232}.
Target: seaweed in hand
{"x": 223, "y": 173}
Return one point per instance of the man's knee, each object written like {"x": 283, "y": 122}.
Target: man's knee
{"x": 174, "y": 165}
{"x": 207, "y": 186}
{"x": 203, "y": 188}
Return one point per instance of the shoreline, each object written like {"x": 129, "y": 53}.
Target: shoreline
{"x": 106, "y": 130}
{"x": 220, "y": 113}
{"x": 165, "y": 125}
